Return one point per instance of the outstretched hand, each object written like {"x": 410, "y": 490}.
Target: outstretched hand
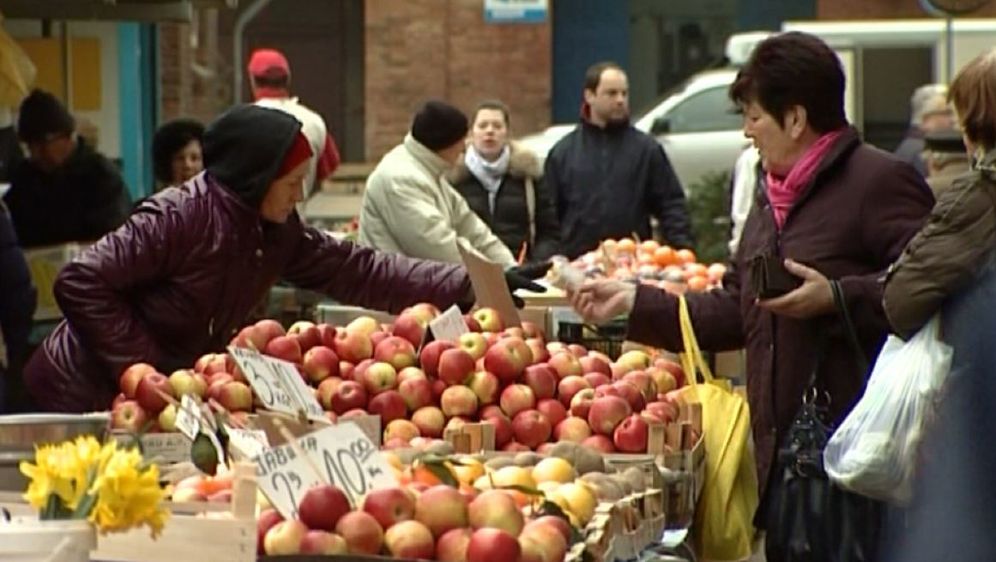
{"x": 602, "y": 300}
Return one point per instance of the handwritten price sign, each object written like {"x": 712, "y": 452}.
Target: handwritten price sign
{"x": 342, "y": 455}
{"x": 277, "y": 384}
{"x": 449, "y": 326}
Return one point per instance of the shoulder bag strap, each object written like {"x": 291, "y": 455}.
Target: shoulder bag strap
{"x": 851, "y": 333}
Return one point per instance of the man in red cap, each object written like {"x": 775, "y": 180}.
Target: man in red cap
{"x": 269, "y": 73}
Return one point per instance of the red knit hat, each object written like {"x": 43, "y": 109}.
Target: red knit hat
{"x": 299, "y": 152}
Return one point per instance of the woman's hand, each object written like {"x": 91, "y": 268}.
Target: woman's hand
{"x": 600, "y": 301}
{"x": 813, "y": 298}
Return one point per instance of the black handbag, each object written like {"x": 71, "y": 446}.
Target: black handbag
{"x": 809, "y": 518}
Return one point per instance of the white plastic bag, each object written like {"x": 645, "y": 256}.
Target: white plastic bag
{"x": 874, "y": 451}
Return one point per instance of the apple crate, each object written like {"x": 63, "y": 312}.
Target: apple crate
{"x": 607, "y": 338}
{"x": 162, "y": 448}
{"x": 194, "y": 531}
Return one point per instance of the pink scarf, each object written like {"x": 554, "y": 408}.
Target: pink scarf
{"x": 784, "y": 191}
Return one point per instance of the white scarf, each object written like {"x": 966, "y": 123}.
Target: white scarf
{"x": 490, "y": 174}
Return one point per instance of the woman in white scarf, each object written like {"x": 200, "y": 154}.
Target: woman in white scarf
{"x": 502, "y": 183}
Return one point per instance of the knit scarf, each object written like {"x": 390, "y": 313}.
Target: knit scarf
{"x": 489, "y": 173}
{"x": 784, "y": 191}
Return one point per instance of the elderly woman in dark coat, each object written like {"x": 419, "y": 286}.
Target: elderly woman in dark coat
{"x": 181, "y": 275}
{"x": 824, "y": 199}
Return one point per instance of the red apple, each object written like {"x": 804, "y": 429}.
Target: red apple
{"x": 456, "y": 422}
{"x": 496, "y": 509}
{"x": 235, "y": 397}
{"x": 322, "y": 506}
{"x": 569, "y": 386}
{"x": 401, "y": 429}
{"x": 416, "y": 392}
{"x": 608, "y": 412}
{"x": 320, "y": 363}
{"x": 186, "y": 381}
{"x": 455, "y": 366}
{"x": 515, "y": 447}
{"x": 581, "y": 403}
{"x": 566, "y": 364}
{"x": 306, "y": 333}
{"x": 631, "y": 435}
{"x": 378, "y": 377}
{"x": 349, "y": 395}
{"x": 326, "y": 333}
{"x": 600, "y": 443}
{"x": 558, "y": 524}
{"x": 212, "y": 363}
{"x": 438, "y": 387}
{"x": 441, "y": 508}
{"x": 410, "y": 327}
{"x": 531, "y": 428}
{"x": 516, "y": 398}
{"x": 452, "y": 546}
{"x": 538, "y": 349}
{"x": 631, "y": 394}
{"x": 284, "y": 347}
{"x": 459, "y": 401}
{"x": 542, "y": 379}
{"x": 489, "y": 319}
{"x": 426, "y": 311}
{"x": 473, "y": 343}
{"x": 578, "y": 350}
{"x": 353, "y": 346}
{"x": 666, "y": 412}
{"x": 572, "y": 429}
{"x": 149, "y": 392}
{"x": 269, "y": 328}
{"x": 595, "y": 364}
{"x": 397, "y": 351}
{"x": 675, "y": 369}
{"x": 411, "y": 373}
{"x": 129, "y": 416}
{"x": 507, "y": 359}
{"x": 323, "y": 543}
{"x": 430, "y": 421}
{"x": 389, "y": 505}
{"x": 362, "y": 532}
{"x": 346, "y": 370}
{"x": 284, "y": 538}
{"x": 410, "y": 540}
{"x": 597, "y": 379}
{"x": 553, "y": 410}
{"x": 266, "y": 520}
{"x": 493, "y": 545}
{"x": 377, "y": 337}
{"x": 430, "y": 355}
{"x": 472, "y": 324}
{"x": 388, "y": 405}
{"x": 503, "y": 429}
{"x": 485, "y": 385}
{"x": 131, "y": 376}
{"x": 326, "y": 389}
{"x": 118, "y": 399}
{"x": 532, "y": 330}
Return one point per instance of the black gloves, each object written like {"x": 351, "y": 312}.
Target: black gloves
{"x": 521, "y": 276}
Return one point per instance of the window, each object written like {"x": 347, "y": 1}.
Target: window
{"x": 706, "y": 111}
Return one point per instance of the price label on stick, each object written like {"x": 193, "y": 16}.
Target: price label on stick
{"x": 248, "y": 442}
{"x": 449, "y": 325}
{"x": 298, "y": 389}
{"x": 341, "y": 455}
{"x": 188, "y": 418}
{"x": 265, "y": 381}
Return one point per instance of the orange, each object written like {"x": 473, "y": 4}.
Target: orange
{"x": 665, "y": 256}
{"x": 698, "y": 283}
{"x": 649, "y": 246}
{"x": 716, "y": 272}
{"x": 695, "y": 270}
{"x": 646, "y": 259}
{"x": 686, "y": 256}
{"x": 425, "y": 476}
{"x": 626, "y": 246}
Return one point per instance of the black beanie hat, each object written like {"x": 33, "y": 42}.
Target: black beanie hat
{"x": 439, "y": 125}
{"x": 42, "y": 116}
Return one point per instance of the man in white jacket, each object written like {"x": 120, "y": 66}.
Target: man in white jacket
{"x": 409, "y": 208}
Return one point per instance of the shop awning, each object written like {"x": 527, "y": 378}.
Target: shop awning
{"x": 120, "y": 10}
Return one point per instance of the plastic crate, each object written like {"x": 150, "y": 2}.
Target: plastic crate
{"x": 607, "y": 338}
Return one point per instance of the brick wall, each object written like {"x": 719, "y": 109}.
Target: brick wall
{"x": 183, "y": 92}
{"x": 882, "y": 9}
{"x": 442, "y": 48}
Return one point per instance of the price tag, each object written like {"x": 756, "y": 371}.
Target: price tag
{"x": 449, "y": 325}
{"x": 299, "y": 390}
{"x": 248, "y": 442}
{"x": 264, "y": 380}
{"x": 188, "y": 418}
{"x": 344, "y": 456}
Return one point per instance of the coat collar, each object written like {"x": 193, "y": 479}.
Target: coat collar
{"x": 522, "y": 163}
{"x": 423, "y": 155}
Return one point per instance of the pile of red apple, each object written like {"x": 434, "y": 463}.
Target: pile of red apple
{"x": 649, "y": 262}
{"x": 439, "y": 523}
{"x": 532, "y": 391}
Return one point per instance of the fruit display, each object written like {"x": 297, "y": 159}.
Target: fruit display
{"x": 533, "y": 392}
{"x": 647, "y": 262}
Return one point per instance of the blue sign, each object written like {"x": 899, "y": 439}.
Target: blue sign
{"x": 515, "y": 11}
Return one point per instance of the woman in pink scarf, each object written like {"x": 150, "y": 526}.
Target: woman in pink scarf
{"x": 846, "y": 211}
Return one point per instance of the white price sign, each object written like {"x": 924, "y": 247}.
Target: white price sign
{"x": 344, "y": 457}
{"x": 265, "y": 381}
{"x": 299, "y": 390}
{"x": 248, "y": 442}
{"x": 449, "y": 325}
{"x": 188, "y": 419}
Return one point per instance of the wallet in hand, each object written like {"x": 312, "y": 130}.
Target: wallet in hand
{"x": 770, "y": 278}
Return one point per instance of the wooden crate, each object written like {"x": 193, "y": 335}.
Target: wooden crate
{"x": 194, "y": 531}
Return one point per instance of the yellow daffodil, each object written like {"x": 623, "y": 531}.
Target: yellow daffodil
{"x": 128, "y": 495}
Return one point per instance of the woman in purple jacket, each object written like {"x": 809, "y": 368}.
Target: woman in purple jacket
{"x": 179, "y": 278}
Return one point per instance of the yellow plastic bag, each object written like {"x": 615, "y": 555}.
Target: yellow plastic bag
{"x": 724, "y": 516}
{"x": 17, "y": 72}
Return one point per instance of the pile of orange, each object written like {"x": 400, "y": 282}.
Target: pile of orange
{"x": 649, "y": 262}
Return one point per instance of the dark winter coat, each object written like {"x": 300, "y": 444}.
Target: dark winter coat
{"x": 850, "y": 223}
{"x": 179, "y": 278}
{"x": 510, "y": 219}
{"x": 81, "y": 201}
{"x": 17, "y": 299}
{"x": 608, "y": 182}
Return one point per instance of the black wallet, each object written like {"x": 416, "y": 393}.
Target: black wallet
{"x": 770, "y": 278}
